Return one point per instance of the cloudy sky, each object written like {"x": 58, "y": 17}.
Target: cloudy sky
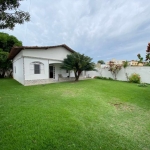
{"x": 101, "y": 29}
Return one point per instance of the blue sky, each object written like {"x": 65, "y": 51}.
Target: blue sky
{"x": 101, "y": 29}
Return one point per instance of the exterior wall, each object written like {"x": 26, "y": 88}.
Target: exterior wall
{"x": 24, "y": 65}
{"x": 18, "y": 72}
{"x": 144, "y": 72}
{"x": 53, "y": 53}
{"x": 65, "y": 74}
{"x": 29, "y": 69}
{"x": 39, "y": 81}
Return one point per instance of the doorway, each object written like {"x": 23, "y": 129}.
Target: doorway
{"x": 51, "y": 71}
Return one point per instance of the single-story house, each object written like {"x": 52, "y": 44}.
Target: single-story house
{"x": 40, "y": 65}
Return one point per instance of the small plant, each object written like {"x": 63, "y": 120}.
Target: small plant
{"x": 142, "y": 85}
{"x": 114, "y": 69}
{"x": 134, "y": 78}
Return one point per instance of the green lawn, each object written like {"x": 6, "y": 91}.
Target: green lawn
{"x": 88, "y": 115}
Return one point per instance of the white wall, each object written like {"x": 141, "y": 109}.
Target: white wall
{"x": 29, "y": 70}
{"x": 58, "y": 53}
{"x": 18, "y": 73}
{"x": 144, "y": 72}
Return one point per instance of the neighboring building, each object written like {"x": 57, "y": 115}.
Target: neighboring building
{"x": 135, "y": 63}
{"x": 39, "y": 65}
{"x": 117, "y": 62}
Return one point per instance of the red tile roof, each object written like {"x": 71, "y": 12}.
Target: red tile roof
{"x": 16, "y": 49}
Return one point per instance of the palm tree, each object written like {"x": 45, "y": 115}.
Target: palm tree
{"x": 77, "y": 62}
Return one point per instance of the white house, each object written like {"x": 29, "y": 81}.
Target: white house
{"x": 39, "y": 65}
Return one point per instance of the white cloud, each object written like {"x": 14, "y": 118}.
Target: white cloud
{"x": 97, "y": 28}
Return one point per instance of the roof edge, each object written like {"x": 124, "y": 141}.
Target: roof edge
{"x": 16, "y": 49}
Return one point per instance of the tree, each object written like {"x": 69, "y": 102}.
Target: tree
{"x": 114, "y": 69}
{"x": 5, "y": 64}
{"x": 101, "y": 62}
{"x": 6, "y": 43}
{"x": 140, "y": 58}
{"x": 147, "y": 55}
{"x": 8, "y": 19}
{"x": 77, "y": 62}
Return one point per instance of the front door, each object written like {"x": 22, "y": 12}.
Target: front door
{"x": 51, "y": 71}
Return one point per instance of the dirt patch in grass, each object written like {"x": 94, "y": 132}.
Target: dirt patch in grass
{"x": 122, "y": 106}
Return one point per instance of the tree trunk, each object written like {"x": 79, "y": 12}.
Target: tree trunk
{"x": 77, "y": 74}
{"x": 2, "y": 75}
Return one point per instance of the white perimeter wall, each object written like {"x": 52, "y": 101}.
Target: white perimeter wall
{"x": 18, "y": 68}
{"x": 144, "y": 72}
{"x": 29, "y": 69}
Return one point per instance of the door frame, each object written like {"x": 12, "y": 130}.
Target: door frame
{"x": 53, "y": 71}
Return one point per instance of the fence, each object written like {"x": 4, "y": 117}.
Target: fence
{"x": 144, "y": 73}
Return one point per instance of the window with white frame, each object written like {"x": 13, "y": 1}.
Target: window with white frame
{"x": 36, "y": 68}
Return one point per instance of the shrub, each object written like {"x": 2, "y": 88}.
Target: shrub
{"x": 134, "y": 78}
{"x": 97, "y": 77}
{"x": 104, "y": 78}
{"x": 142, "y": 85}
{"x": 110, "y": 78}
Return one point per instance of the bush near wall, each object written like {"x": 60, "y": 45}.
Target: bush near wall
{"x": 134, "y": 78}
{"x": 104, "y": 78}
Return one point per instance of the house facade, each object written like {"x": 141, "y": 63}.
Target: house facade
{"x": 40, "y": 65}
{"x": 135, "y": 63}
{"x": 116, "y": 62}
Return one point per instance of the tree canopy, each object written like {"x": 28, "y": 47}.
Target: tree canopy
{"x": 101, "y": 62}
{"x": 5, "y": 64}
{"x": 6, "y": 43}
{"x": 77, "y": 62}
{"x": 148, "y": 52}
{"x": 10, "y": 15}
{"x": 147, "y": 55}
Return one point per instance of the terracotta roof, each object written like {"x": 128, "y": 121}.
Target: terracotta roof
{"x": 16, "y": 49}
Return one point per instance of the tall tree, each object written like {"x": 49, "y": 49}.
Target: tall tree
{"x": 5, "y": 64}
{"x": 10, "y": 15}
{"x": 6, "y": 43}
{"x": 101, "y": 62}
{"x": 148, "y": 53}
{"x": 78, "y": 62}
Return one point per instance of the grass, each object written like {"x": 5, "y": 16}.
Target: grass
{"x": 88, "y": 115}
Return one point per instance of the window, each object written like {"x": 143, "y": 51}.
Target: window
{"x": 36, "y": 69}
{"x": 67, "y": 71}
